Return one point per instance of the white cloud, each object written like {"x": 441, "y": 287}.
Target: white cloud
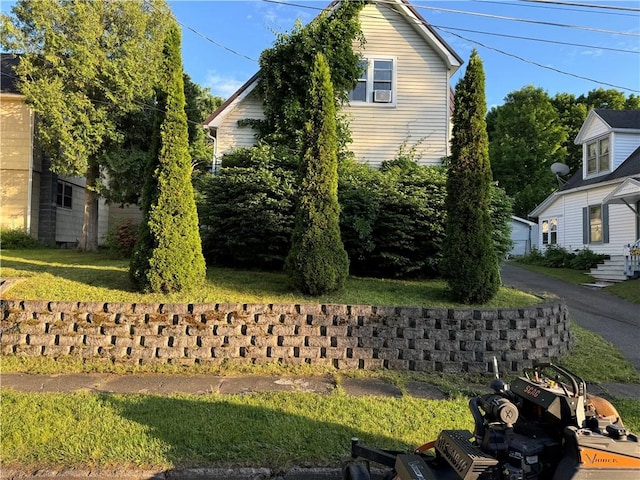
{"x": 222, "y": 85}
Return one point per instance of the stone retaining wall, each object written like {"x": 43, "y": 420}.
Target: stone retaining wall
{"x": 343, "y": 336}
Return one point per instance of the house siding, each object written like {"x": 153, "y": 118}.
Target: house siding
{"x": 568, "y": 209}
{"x": 16, "y": 147}
{"x": 623, "y": 146}
{"x": 231, "y": 135}
{"x": 420, "y": 116}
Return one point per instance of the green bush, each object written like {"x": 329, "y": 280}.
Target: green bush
{"x": 247, "y": 211}
{"x": 17, "y": 238}
{"x": 121, "y": 238}
{"x": 554, "y": 256}
{"x": 585, "y": 259}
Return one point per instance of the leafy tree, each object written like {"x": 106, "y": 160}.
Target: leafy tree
{"x": 168, "y": 256}
{"x": 84, "y": 65}
{"x": 571, "y": 115}
{"x": 317, "y": 262}
{"x": 527, "y": 139}
{"x": 469, "y": 260}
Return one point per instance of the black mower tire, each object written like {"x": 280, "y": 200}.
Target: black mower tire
{"x": 356, "y": 471}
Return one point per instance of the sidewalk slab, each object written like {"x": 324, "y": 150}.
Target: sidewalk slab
{"x": 26, "y": 382}
{"x": 251, "y": 384}
{"x": 369, "y": 387}
{"x": 163, "y": 384}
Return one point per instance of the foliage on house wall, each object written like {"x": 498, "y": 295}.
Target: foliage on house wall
{"x": 285, "y": 73}
{"x": 469, "y": 259}
{"x": 317, "y": 262}
{"x": 168, "y": 256}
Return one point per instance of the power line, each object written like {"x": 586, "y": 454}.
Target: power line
{"x": 539, "y": 64}
{"x": 524, "y": 20}
{"x": 555, "y": 42}
{"x": 587, "y": 5}
{"x": 551, "y": 7}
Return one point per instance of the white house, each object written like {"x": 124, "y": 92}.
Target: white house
{"x": 404, "y": 95}
{"x": 598, "y": 207}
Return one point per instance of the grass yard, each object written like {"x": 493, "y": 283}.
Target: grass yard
{"x": 67, "y": 275}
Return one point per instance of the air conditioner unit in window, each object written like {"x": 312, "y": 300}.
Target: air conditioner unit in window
{"x": 382, "y": 96}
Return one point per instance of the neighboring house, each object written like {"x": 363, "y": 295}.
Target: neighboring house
{"x": 404, "y": 95}
{"x": 598, "y": 207}
{"x": 524, "y": 235}
{"x": 32, "y": 198}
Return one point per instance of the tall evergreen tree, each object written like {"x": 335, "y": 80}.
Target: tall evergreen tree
{"x": 317, "y": 262}
{"x": 168, "y": 256}
{"x": 469, "y": 260}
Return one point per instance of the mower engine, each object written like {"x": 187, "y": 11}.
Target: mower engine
{"x": 542, "y": 426}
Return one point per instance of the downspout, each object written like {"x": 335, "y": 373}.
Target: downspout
{"x": 214, "y": 157}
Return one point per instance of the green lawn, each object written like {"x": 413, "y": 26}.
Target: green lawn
{"x": 67, "y": 275}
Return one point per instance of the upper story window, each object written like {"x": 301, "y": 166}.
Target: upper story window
{"x": 64, "y": 195}
{"x": 598, "y": 158}
{"x": 376, "y": 83}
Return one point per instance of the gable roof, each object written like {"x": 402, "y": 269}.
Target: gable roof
{"x": 409, "y": 12}
{"x": 8, "y": 78}
{"x": 630, "y": 168}
{"x": 616, "y": 120}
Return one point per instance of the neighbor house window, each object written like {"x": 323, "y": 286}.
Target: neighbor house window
{"x": 550, "y": 231}
{"x": 598, "y": 158}
{"x": 64, "y": 195}
{"x": 595, "y": 224}
{"x": 376, "y": 83}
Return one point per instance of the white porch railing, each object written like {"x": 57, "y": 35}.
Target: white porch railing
{"x": 632, "y": 259}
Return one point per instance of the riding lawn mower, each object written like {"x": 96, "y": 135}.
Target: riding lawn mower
{"x": 543, "y": 426}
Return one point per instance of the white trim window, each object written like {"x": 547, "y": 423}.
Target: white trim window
{"x": 64, "y": 195}
{"x": 550, "y": 231}
{"x": 598, "y": 156}
{"x": 595, "y": 224}
{"x": 377, "y": 82}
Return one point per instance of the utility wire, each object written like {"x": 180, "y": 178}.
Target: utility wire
{"x": 587, "y": 5}
{"x": 518, "y": 37}
{"x": 551, "y": 6}
{"x": 539, "y": 64}
{"x": 515, "y": 19}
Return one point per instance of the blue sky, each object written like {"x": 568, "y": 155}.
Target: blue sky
{"x": 248, "y": 27}
{"x": 222, "y": 40}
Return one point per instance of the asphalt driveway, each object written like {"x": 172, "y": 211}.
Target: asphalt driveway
{"x": 590, "y": 307}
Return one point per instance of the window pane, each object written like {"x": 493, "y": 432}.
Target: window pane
{"x": 604, "y": 146}
{"x": 383, "y": 65}
{"x": 554, "y": 237}
{"x": 545, "y": 232}
{"x": 382, "y": 85}
{"x": 595, "y": 223}
{"x": 554, "y": 224}
{"x": 364, "y": 66}
{"x": 382, "y": 75}
{"x": 67, "y": 202}
{"x": 359, "y": 94}
{"x": 604, "y": 163}
{"x": 592, "y": 150}
{"x": 591, "y": 165}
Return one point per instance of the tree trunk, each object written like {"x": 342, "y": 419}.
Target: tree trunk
{"x": 89, "y": 238}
